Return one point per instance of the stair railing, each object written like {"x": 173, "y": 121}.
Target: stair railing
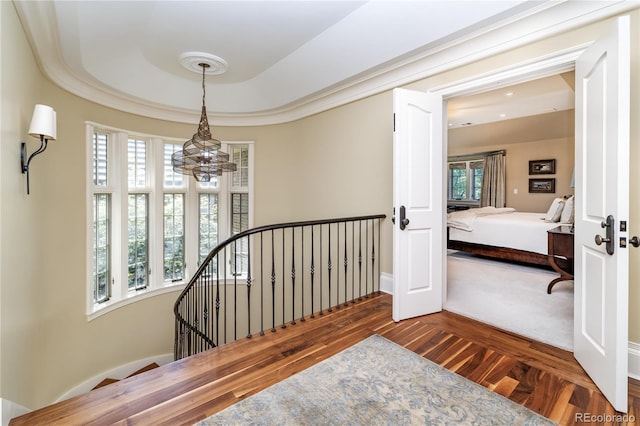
{"x": 272, "y": 275}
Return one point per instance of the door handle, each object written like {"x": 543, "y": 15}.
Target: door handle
{"x": 403, "y": 218}
{"x": 634, "y": 241}
{"x": 609, "y": 237}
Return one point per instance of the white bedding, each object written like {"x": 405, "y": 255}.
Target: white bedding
{"x": 517, "y": 230}
{"x": 464, "y": 219}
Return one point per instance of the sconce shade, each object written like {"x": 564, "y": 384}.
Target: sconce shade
{"x": 43, "y": 122}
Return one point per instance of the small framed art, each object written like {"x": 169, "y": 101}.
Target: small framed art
{"x": 542, "y": 186}
{"x": 542, "y": 167}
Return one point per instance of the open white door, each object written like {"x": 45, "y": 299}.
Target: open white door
{"x": 602, "y": 211}
{"x": 418, "y": 241}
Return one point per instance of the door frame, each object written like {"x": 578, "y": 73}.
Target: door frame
{"x": 545, "y": 66}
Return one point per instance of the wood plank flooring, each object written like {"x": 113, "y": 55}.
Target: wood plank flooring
{"x": 543, "y": 378}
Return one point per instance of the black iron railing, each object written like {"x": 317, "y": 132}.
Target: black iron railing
{"x": 275, "y": 275}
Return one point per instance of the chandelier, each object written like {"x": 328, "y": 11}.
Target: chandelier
{"x": 200, "y": 156}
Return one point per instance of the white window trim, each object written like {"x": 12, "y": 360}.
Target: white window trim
{"x": 117, "y": 171}
{"x": 468, "y": 160}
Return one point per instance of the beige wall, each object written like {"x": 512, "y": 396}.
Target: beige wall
{"x": 21, "y": 231}
{"x": 517, "y": 170}
{"x": 331, "y": 164}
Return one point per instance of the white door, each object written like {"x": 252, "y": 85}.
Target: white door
{"x": 418, "y": 242}
{"x": 602, "y": 190}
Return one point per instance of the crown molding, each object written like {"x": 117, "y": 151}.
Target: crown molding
{"x": 546, "y": 19}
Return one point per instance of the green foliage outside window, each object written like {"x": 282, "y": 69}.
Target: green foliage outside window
{"x": 465, "y": 180}
{"x": 173, "y": 237}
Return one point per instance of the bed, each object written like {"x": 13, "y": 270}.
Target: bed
{"x": 502, "y": 233}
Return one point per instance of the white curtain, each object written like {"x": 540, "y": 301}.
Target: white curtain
{"x": 494, "y": 181}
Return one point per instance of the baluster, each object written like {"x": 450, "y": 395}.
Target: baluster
{"x": 218, "y": 299}
{"x": 353, "y": 256}
{"x": 248, "y": 286}
{"x": 188, "y": 315}
{"x": 360, "y": 260}
{"x": 373, "y": 256}
{"x": 337, "y": 265}
{"x": 313, "y": 271}
{"x": 196, "y": 322}
{"x": 284, "y": 325}
{"x": 346, "y": 264}
{"x": 293, "y": 275}
{"x": 329, "y": 267}
{"x": 207, "y": 303}
{"x": 261, "y": 284}
{"x": 273, "y": 284}
{"x": 321, "y": 286}
{"x": 235, "y": 290}
{"x": 224, "y": 301}
{"x": 205, "y": 311}
{"x": 366, "y": 266}
{"x": 379, "y": 253}
{"x": 302, "y": 317}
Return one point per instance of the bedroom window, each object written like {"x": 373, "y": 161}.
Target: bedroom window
{"x": 465, "y": 181}
{"x": 150, "y": 228}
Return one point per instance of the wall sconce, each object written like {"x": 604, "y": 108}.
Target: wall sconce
{"x": 43, "y": 125}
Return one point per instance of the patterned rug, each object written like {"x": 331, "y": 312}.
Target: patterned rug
{"x": 376, "y": 382}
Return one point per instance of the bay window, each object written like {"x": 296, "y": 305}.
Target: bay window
{"x": 149, "y": 227}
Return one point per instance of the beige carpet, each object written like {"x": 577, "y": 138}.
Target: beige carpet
{"x": 512, "y": 297}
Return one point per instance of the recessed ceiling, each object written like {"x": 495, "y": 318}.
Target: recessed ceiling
{"x": 284, "y": 60}
{"x": 540, "y": 109}
{"x": 280, "y": 54}
{"x": 540, "y": 96}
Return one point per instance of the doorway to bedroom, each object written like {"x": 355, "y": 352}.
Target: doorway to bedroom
{"x": 531, "y": 121}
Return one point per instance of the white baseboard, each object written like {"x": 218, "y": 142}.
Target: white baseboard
{"x": 634, "y": 360}
{"x": 386, "y": 283}
{"x": 9, "y": 410}
{"x": 119, "y": 372}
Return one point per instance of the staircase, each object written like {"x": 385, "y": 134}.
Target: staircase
{"x": 277, "y": 275}
{"x": 109, "y": 380}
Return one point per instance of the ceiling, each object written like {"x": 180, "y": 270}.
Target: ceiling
{"x": 280, "y": 54}
{"x": 535, "y": 110}
{"x": 285, "y": 59}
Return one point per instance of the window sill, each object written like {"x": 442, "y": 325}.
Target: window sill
{"x": 110, "y": 306}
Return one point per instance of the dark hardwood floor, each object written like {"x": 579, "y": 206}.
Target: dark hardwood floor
{"x": 543, "y": 378}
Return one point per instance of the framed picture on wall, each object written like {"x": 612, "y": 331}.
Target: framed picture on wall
{"x": 542, "y": 167}
{"x": 542, "y": 186}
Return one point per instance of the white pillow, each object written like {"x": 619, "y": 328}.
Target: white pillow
{"x": 568, "y": 212}
{"x": 555, "y": 210}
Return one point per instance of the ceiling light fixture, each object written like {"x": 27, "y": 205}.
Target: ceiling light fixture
{"x": 201, "y": 156}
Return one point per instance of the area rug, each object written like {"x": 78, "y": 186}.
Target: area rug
{"x": 376, "y": 382}
{"x": 512, "y": 297}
